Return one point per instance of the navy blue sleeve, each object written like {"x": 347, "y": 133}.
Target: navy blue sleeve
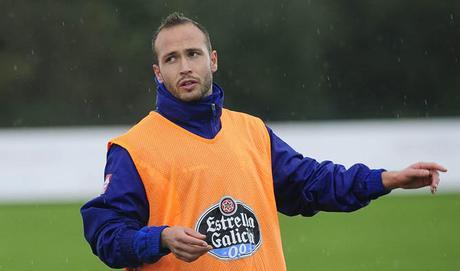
{"x": 304, "y": 186}
{"x": 115, "y": 221}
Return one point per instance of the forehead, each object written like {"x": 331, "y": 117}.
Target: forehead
{"x": 179, "y": 37}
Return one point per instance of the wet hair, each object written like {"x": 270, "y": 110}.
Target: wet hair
{"x": 175, "y": 19}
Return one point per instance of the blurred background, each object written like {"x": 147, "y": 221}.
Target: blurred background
{"x": 349, "y": 81}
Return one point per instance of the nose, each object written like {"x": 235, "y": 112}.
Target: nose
{"x": 185, "y": 67}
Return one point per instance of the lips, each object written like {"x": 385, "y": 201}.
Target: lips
{"x": 188, "y": 84}
{"x": 185, "y": 82}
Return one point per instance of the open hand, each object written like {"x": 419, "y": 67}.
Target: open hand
{"x": 186, "y": 244}
{"x": 415, "y": 176}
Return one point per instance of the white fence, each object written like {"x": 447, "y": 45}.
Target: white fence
{"x": 66, "y": 164}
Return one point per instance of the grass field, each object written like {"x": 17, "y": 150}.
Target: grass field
{"x": 393, "y": 233}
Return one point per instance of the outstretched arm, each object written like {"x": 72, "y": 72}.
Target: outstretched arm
{"x": 415, "y": 176}
{"x": 305, "y": 186}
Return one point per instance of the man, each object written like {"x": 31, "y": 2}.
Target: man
{"x": 194, "y": 186}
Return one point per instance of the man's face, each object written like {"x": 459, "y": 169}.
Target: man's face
{"x": 185, "y": 64}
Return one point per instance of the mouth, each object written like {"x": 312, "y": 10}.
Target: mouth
{"x": 188, "y": 84}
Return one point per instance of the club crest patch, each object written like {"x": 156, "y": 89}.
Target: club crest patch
{"x": 231, "y": 228}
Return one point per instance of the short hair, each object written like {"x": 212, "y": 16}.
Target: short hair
{"x": 175, "y": 19}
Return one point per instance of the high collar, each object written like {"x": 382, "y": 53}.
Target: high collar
{"x": 200, "y": 117}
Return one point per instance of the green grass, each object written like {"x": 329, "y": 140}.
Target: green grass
{"x": 393, "y": 233}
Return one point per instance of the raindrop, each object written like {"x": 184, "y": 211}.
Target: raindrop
{"x": 397, "y": 115}
{"x": 328, "y": 78}
{"x": 120, "y": 69}
{"x": 426, "y": 102}
{"x": 452, "y": 18}
{"x": 32, "y": 52}
{"x": 15, "y": 67}
{"x": 98, "y": 116}
{"x": 82, "y": 21}
{"x": 63, "y": 23}
{"x": 426, "y": 52}
{"x": 399, "y": 59}
{"x": 318, "y": 31}
{"x": 303, "y": 85}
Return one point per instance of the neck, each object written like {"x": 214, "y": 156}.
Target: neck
{"x": 200, "y": 117}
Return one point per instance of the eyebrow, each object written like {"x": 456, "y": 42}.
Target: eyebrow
{"x": 187, "y": 50}
{"x": 169, "y": 54}
{"x": 193, "y": 50}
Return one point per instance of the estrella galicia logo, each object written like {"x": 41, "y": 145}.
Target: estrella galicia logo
{"x": 231, "y": 228}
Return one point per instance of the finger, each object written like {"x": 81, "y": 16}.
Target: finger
{"x": 435, "y": 175}
{"x": 190, "y": 240}
{"x": 192, "y": 249}
{"x": 194, "y": 233}
{"x": 429, "y": 165}
{"x": 419, "y": 173}
{"x": 189, "y": 256}
{"x": 435, "y": 181}
{"x": 184, "y": 257}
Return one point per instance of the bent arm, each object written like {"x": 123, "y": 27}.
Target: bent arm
{"x": 304, "y": 186}
{"x": 115, "y": 222}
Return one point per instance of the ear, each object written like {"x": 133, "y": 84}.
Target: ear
{"x": 213, "y": 61}
{"x": 156, "y": 71}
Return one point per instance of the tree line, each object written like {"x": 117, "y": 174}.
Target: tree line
{"x": 89, "y": 62}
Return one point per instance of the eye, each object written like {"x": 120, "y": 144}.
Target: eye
{"x": 193, "y": 54}
{"x": 170, "y": 59}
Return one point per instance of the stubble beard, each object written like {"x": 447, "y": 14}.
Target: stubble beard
{"x": 203, "y": 91}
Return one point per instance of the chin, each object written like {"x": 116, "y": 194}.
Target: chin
{"x": 191, "y": 98}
